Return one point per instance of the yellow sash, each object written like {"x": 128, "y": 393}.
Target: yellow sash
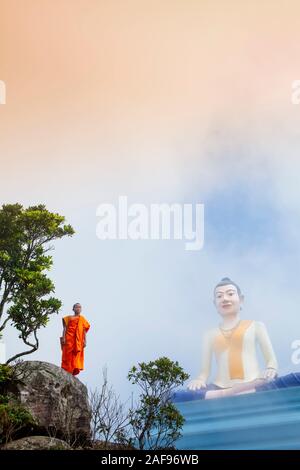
{"x": 234, "y": 345}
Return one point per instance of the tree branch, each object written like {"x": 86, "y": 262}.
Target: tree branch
{"x": 21, "y": 354}
{"x": 33, "y": 346}
{"x": 4, "y": 323}
{"x": 4, "y": 298}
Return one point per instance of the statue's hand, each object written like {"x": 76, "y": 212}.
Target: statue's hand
{"x": 196, "y": 384}
{"x": 270, "y": 373}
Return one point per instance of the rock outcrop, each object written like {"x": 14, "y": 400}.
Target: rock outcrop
{"x": 37, "y": 443}
{"x": 57, "y": 400}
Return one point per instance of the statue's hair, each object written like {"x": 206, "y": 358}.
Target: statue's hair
{"x": 225, "y": 281}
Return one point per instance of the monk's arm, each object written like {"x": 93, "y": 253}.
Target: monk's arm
{"x": 267, "y": 350}
{"x": 64, "y": 332}
{"x": 86, "y": 328}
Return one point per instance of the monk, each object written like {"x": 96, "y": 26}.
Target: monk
{"x": 233, "y": 344}
{"x": 73, "y": 341}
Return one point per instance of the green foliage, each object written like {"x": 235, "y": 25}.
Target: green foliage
{"x": 161, "y": 375}
{"x": 25, "y": 289}
{"x": 5, "y": 373}
{"x": 155, "y": 421}
{"x": 13, "y": 419}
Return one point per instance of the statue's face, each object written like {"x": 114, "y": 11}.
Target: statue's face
{"x": 227, "y": 300}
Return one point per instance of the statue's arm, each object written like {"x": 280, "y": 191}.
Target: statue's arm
{"x": 267, "y": 350}
{"x": 206, "y": 358}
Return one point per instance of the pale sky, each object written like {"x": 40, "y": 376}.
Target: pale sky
{"x": 180, "y": 101}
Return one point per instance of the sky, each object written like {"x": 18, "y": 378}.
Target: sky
{"x": 174, "y": 101}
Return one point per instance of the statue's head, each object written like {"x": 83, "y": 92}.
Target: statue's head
{"x": 77, "y": 308}
{"x": 228, "y": 297}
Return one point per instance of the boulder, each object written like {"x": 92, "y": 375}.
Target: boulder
{"x": 37, "y": 443}
{"x": 57, "y": 400}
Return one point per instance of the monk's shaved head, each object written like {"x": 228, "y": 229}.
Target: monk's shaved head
{"x": 76, "y": 305}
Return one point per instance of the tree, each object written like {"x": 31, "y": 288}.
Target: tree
{"x": 109, "y": 421}
{"x": 155, "y": 421}
{"x": 25, "y": 289}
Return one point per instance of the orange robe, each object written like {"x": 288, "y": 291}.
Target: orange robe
{"x": 234, "y": 345}
{"x": 73, "y": 349}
